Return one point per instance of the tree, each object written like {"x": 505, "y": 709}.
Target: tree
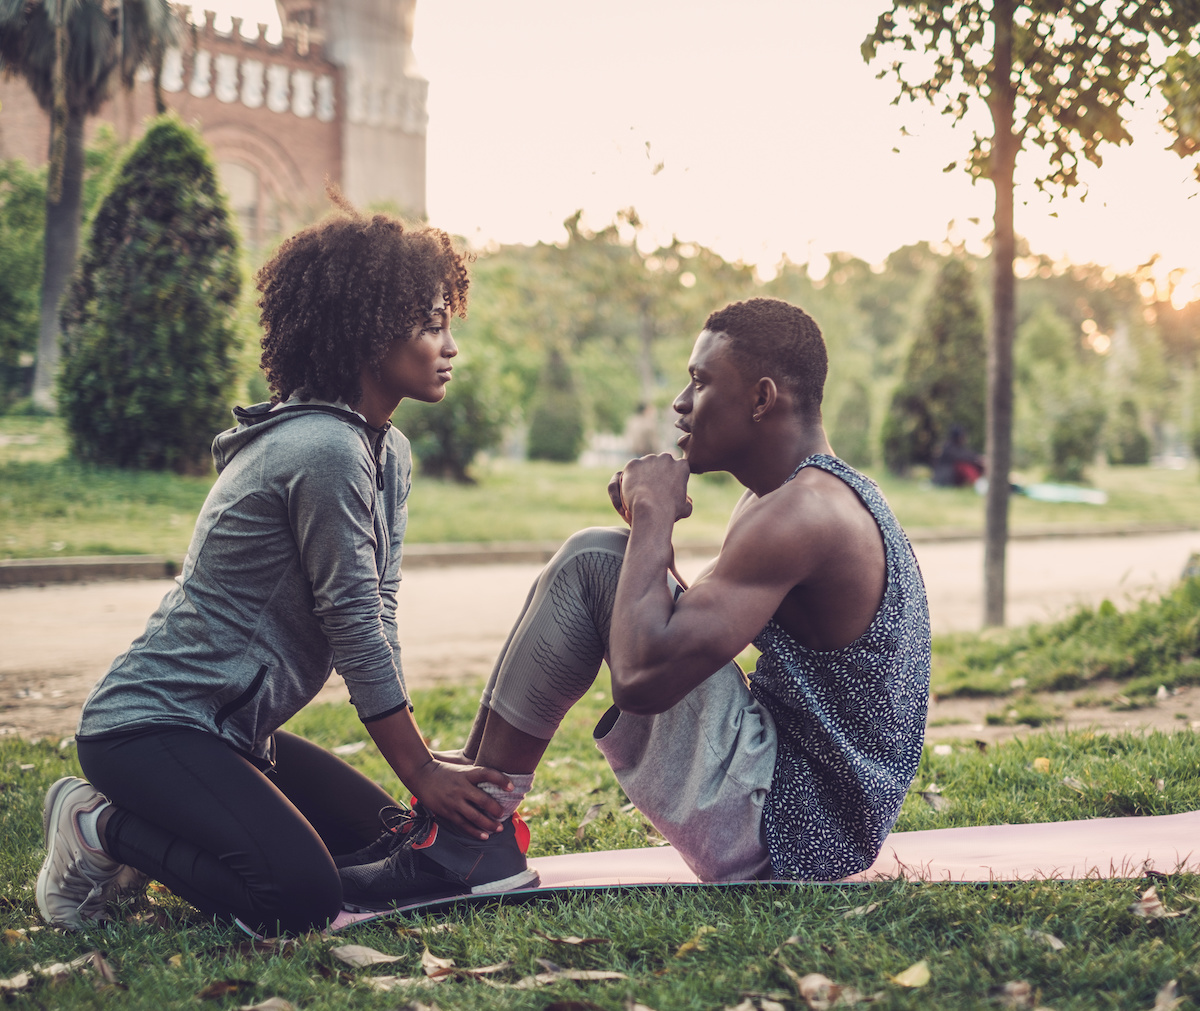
{"x": 69, "y": 52}
{"x": 150, "y": 348}
{"x": 555, "y": 426}
{"x": 1054, "y": 76}
{"x": 22, "y": 204}
{"x": 943, "y": 384}
{"x": 22, "y": 226}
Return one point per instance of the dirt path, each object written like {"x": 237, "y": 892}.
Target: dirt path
{"x": 55, "y": 641}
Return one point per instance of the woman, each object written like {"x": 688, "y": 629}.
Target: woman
{"x": 292, "y": 571}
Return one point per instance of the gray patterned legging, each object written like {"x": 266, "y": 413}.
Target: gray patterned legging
{"x": 554, "y": 650}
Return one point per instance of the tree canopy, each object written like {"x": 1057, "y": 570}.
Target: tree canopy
{"x": 70, "y": 52}
{"x": 150, "y": 355}
{"x": 1059, "y": 78}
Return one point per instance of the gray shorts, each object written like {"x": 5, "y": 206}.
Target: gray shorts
{"x": 700, "y": 773}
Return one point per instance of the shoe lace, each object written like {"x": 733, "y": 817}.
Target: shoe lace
{"x": 401, "y": 861}
{"x": 95, "y": 903}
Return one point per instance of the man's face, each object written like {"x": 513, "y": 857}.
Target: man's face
{"x": 715, "y": 408}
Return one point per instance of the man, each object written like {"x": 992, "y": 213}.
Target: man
{"x": 799, "y": 773}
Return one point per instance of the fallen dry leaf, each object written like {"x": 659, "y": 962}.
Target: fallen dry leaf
{"x": 224, "y": 987}
{"x": 359, "y": 955}
{"x": 1041, "y": 764}
{"x": 105, "y": 971}
{"x": 820, "y": 992}
{"x": 791, "y": 973}
{"x": 479, "y": 972}
{"x": 1050, "y": 939}
{"x": 435, "y": 966}
{"x": 932, "y": 795}
{"x": 1074, "y": 784}
{"x": 860, "y": 910}
{"x": 696, "y": 943}
{"x": 18, "y": 982}
{"x": 270, "y": 1004}
{"x": 1016, "y": 994}
{"x": 915, "y": 975}
{"x": 92, "y": 960}
{"x": 588, "y": 818}
{"x": 1150, "y": 907}
{"x": 1168, "y": 997}
{"x": 175, "y": 961}
{"x": 572, "y": 939}
{"x": 435, "y": 928}
{"x": 579, "y": 975}
{"x": 15, "y": 936}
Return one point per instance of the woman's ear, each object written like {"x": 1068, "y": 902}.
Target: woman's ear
{"x": 766, "y": 395}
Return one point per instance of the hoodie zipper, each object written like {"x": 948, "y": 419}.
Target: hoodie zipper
{"x": 230, "y": 708}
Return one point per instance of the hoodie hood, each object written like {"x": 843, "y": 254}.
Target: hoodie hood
{"x": 256, "y": 419}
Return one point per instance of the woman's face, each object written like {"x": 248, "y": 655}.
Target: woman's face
{"x": 419, "y": 367}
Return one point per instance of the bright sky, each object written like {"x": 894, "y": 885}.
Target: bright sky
{"x": 772, "y": 134}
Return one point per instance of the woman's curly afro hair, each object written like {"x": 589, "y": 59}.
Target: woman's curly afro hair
{"x": 337, "y": 294}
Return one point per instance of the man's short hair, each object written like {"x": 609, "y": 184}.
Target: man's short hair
{"x": 769, "y": 337}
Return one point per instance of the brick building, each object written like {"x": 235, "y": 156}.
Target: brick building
{"x": 340, "y": 96}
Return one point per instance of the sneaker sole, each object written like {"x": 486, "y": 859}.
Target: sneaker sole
{"x": 525, "y": 879}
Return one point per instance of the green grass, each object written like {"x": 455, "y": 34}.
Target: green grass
{"x": 1156, "y": 643}
{"x": 51, "y": 506}
{"x": 973, "y": 938}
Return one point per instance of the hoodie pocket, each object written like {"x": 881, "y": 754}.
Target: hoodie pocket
{"x": 230, "y": 708}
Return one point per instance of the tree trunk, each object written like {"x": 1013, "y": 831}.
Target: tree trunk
{"x": 1000, "y": 346}
{"x": 62, "y": 246}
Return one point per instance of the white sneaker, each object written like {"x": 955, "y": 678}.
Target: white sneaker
{"x": 76, "y": 882}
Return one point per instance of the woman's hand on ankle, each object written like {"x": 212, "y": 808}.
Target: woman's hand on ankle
{"x": 451, "y": 792}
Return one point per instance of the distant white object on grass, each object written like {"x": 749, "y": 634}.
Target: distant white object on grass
{"x": 1053, "y": 492}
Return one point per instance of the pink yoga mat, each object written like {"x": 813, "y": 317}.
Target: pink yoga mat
{"x": 1060, "y": 850}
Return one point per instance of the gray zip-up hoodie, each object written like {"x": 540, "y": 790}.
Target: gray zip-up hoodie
{"x": 292, "y": 570}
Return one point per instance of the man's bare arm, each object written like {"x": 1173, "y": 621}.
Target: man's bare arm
{"x": 660, "y": 649}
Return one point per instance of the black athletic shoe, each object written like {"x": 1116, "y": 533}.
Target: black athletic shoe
{"x": 435, "y": 862}
{"x": 396, "y": 820}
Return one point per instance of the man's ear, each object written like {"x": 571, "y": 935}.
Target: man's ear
{"x": 766, "y": 395}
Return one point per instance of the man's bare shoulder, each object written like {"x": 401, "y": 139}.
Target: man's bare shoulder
{"x": 819, "y": 547}
{"x": 800, "y": 525}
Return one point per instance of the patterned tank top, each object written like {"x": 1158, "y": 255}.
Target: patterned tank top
{"x": 851, "y": 721}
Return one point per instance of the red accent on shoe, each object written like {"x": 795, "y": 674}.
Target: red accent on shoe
{"x": 428, "y": 840}
{"x": 521, "y": 831}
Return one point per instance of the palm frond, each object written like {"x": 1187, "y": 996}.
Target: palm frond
{"x": 94, "y": 44}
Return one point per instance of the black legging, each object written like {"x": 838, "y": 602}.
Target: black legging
{"x": 191, "y": 812}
